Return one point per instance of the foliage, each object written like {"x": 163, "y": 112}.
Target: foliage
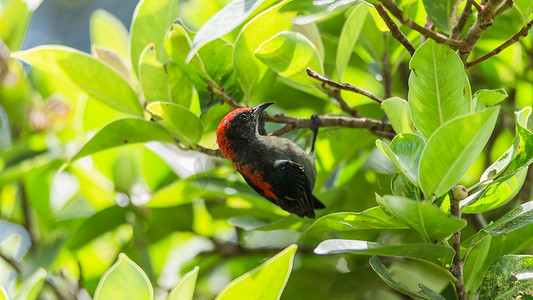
{"x": 110, "y": 185}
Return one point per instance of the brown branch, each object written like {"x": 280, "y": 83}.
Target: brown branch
{"x": 342, "y": 86}
{"x": 474, "y": 3}
{"x": 210, "y": 152}
{"x": 457, "y": 265}
{"x": 465, "y": 15}
{"x": 219, "y": 92}
{"x": 395, "y": 30}
{"x": 515, "y": 38}
{"x": 507, "y": 5}
{"x": 393, "y": 8}
{"x": 482, "y": 23}
{"x": 385, "y": 66}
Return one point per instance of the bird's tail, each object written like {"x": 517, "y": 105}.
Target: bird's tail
{"x": 317, "y": 204}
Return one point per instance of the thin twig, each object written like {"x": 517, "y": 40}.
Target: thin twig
{"x": 28, "y": 218}
{"x": 385, "y": 66}
{"x": 515, "y": 38}
{"x": 335, "y": 93}
{"x": 219, "y": 92}
{"x": 467, "y": 11}
{"x": 210, "y": 152}
{"x": 342, "y": 86}
{"x": 395, "y": 30}
{"x": 478, "y": 6}
{"x": 393, "y": 8}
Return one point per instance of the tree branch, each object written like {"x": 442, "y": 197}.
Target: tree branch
{"x": 474, "y": 3}
{"x": 465, "y": 15}
{"x": 395, "y": 30}
{"x": 342, "y": 86}
{"x": 515, "y": 38}
{"x": 393, "y": 8}
{"x": 219, "y": 92}
{"x": 507, "y": 5}
{"x": 457, "y": 265}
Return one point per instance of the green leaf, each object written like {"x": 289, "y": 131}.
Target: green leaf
{"x": 372, "y": 218}
{"x": 513, "y": 220}
{"x": 349, "y": 36}
{"x": 3, "y": 293}
{"x": 523, "y": 153}
{"x": 250, "y": 71}
{"x": 15, "y": 17}
{"x": 107, "y": 31}
{"x": 123, "y": 132}
{"x": 31, "y": 287}
{"x": 404, "y": 151}
{"x": 289, "y": 54}
{"x": 438, "y": 87}
{"x": 184, "y": 289}
{"x": 69, "y": 71}
{"x": 431, "y": 223}
{"x": 163, "y": 221}
{"x": 17, "y": 238}
{"x": 224, "y": 21}
{"x": 165, "y": 83}
{"x": 487, "y": 98}
{"x": 5, "y": 132}
{"x": 440, "y": 12}
{"x": 267, "y": 281}
{"x": 397, "y": 109}
{"x": 508, "y": 278}
{"x": 525, "y": 7}
{"x": 452, "y": 149}
{"x": 151, "y": 21}
{"x": 124, "y": 280}
{"x": 98, "y": 224}
{"x": 181, "y": 122}
{"x": 402, "y": 186}
{"x": 113, "y": 60}
{"x": 385, "y": 275}
{"x": 437, "y": 254}
{"x": 311, "y": 11}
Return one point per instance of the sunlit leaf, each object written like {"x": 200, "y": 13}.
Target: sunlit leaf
{"x": 31, "y": 287}
{"x": 440, "y": 12}
{"x": 487, "y": 98}
{"x": 402, "y": 186}
{"x": 438, "y": 87}
{"x": 452, "y": 149}
{"x": 124, "y": 280}
{"x": 513, "y": 220}
{"x": 17, "y": 236}
{"x": 267, "y": 281}
{"x": 437, "y": 254}
{"x": 404, "y": 151}
{"x": 5, "y": 132}
{"x": 182, "y": 122}
{"x": 184, "y": 289}
{"x": 385, "y": 275}
{"x": 349, "y": 36}
{"x": 107, "y": 31}
{"x": 123, "y": 132}
{"x": 397, "y": 110}
{"x": 311, "y": 11}
{"x": 151, "y": 21}
{"x": 525, "y": 7}
{"x": 508, "y": 278}
{"x": 15, "y": 17}
{"x": 430, "y": 222}
{"x": 71, "y": 72}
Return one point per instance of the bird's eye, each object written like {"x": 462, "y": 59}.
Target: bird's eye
{"x": 244, "y": 117}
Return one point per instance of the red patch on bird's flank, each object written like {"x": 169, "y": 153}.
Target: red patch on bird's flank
{"x": 256, "y": 178}
{"x": 224, "y": 144}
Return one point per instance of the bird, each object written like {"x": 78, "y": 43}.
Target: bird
{"x": 275, "y": 167}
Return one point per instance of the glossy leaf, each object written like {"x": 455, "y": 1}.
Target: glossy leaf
{"x": 523, "y": 153}
{"x": 15, "y": 17}
{"x": 223, "y": 22}
{"x": 163, "y": 82}
{"x": 397, "y": 110}
{"x": 515, "y": 219}
{"x": 184, "y": 289}
{"x": 124, "y": 280}
{"x": 438, "y": 87}
{"x": 452, "y": 149}
{"x": 404, "y": 151}
{"x": 525, "y": 7}
{"x": 65, "y": 69}
{"x": 250, "y": 71}
{"x": 440, "y": 12}
{"x": 289, "y": 54}
{"x": 267, "y": 281}
{"x": 349, "y": 36}
{"x": 431, "y": 223}
{"x": 437, "y": 254}
{"x": 311, "y": 11}
{"x": 107, "y": 31}
{"x": 123, "y": 132}
{"x": 151, "y": 21}
{"x": 385, "y": 275}
{"x": 187, "y": 127}
{"x": 508, "y": 278}
{"x": 487, "y": 98}
{"x": 31, "y": 288}
{"x": 5, "y": 132}
{"x": 372, "y": 218}
{"x": 402, "y": 186}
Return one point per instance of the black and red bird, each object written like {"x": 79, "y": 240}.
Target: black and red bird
{"x": 275, "y": 167}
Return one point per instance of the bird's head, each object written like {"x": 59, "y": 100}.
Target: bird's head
{"x": 239, "y": 124}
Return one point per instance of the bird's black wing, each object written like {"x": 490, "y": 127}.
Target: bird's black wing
{"x": 293, "y": 188}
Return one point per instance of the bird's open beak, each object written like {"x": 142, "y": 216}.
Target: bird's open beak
{"x": 256, "y": 111}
